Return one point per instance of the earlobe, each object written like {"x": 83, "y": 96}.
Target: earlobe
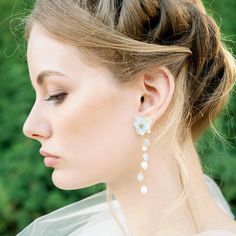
{"x": 158, "y": 89}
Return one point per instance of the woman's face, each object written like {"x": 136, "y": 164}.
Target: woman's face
{"x": 89, "y": 126}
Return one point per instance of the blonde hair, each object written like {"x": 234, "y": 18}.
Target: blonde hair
{"x": 132, "y": 36}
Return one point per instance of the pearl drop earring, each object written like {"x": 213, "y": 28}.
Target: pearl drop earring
{"x": 142, "y": 126}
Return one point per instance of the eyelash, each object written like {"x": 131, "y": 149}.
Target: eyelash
{"x": 57, "y": 98}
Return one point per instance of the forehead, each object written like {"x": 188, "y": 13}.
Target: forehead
{"x": 44, "y": 49}
{"x": 42, "y": 43}
{"x": 45, "y": 53}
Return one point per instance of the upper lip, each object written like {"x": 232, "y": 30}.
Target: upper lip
{"x": 47, "y": 154}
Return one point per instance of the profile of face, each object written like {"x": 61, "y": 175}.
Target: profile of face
{"x": 87, "y": 122}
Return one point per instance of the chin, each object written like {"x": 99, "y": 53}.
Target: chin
{"x": 66, "y": 182}
{"x": 62, "y": 181}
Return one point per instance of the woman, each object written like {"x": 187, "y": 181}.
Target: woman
{"x": 124, "y": 89}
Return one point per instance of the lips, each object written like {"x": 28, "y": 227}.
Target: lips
{"x": 47, "y": 154}
{"x": 50, "y": 160}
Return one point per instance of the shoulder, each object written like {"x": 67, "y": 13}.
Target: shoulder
{"x": 227, "y": 224}
{"x": 228, "y": 228}
{"x": 231, "y": 226}
{"x": 219, "y": 232}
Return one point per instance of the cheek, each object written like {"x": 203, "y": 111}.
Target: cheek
{"x": 96, "y": 137}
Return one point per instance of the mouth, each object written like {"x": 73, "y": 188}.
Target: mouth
{"x": 50, "y": 159}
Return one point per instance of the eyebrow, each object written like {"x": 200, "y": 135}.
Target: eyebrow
{"x": 46, "y": 73}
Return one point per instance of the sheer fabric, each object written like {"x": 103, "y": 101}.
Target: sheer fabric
{"x": 91, "y": 217}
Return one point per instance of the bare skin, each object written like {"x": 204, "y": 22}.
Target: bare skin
{"x": 80, "y": 130}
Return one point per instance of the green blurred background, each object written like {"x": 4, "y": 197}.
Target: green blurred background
{"x": 26, "y": 189}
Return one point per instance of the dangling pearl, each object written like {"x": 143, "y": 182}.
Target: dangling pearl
{"x": 145, "y": 156}
{"x": 146, "y": 142}
{"x": 144, "y": 148}
{"x": 144, "y": 165}
{"x": 140, "y": 176}
{"x": 144, "y": 189}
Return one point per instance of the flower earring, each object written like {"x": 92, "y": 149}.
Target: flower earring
{"x": 142, "y": 126}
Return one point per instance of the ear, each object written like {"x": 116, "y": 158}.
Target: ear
{"x": 157, "y": 89}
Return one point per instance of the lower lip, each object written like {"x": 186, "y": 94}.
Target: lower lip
{"x": 50, "y": 161}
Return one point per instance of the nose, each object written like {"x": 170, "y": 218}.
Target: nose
{"x": 36, "y": 126}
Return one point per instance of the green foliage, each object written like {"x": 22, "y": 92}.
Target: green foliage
{"x": 26, "y": 189}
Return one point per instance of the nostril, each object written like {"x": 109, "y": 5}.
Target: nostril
{"x": 28, "y": 133}
{"x": 36, "y": 130}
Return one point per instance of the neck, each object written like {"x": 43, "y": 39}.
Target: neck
{"x": 143, "y": 212}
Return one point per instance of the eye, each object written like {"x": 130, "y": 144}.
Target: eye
{"x": 57, "y": 98}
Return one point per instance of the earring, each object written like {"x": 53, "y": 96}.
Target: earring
{"x": 142, "y": 126}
